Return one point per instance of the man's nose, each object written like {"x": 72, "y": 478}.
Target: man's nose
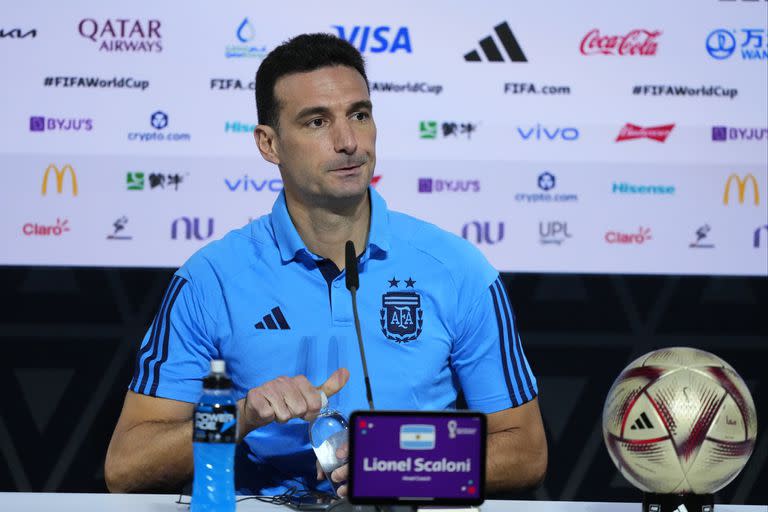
{"x": 344, "y": 138}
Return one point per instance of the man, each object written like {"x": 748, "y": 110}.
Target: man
{"x": 270, "y": 299}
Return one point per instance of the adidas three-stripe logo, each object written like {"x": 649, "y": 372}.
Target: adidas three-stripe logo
{"x": 491, "y": 50}
{"x": 641, "y": 423}
{"x": 273, "y": 321}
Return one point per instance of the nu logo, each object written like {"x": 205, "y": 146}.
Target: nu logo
{"x": 482, "y": 232}
{"x": 191, "y": 228}
{"x": 491, "y": 50}
{"x": 741, "y": 185}
{"x": 273, "y": 321}
{"x": 67, "y": 169}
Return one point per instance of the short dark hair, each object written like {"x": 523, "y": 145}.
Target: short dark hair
{"x": 300, "y": 54}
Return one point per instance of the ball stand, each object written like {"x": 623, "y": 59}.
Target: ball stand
{"x": 678, "y": 502}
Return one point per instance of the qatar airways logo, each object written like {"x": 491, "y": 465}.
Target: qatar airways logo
{"x": 123, "y": 34}
{"x": 639, "y": 238}
{"x": 639, "y": 42}
{"x": 632, "y": 131}
{"x": 35, "y": 229}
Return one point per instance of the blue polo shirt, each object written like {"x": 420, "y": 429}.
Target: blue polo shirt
{"x": 434, "y": 314}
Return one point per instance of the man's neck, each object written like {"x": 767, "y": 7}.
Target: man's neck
{"x": 325, "y": 231}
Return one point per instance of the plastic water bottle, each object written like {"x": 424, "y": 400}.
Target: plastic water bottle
{"x": 329, "y": 435}
{"x": 213, "y": 442}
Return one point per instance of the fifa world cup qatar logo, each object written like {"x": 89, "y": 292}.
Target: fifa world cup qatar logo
{"x": 452, "y": 426}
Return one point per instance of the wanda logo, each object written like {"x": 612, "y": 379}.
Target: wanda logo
{"x": 636, "y": 42}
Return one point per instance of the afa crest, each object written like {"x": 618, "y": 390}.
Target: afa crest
{"x": 402, "y": 318}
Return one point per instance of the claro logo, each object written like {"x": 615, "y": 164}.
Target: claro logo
{"x": 639, "y": 238}
{"x": 60, "y": 173}
{"x": 741, "y": 187}
{"x": 35, "y": 229}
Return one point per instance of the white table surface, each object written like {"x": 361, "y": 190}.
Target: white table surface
{"x": 72, "y": 502}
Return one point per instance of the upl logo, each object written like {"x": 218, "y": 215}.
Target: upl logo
{"x": 59, "y": 174}
{"x": 376, "y": 39}
{"x": 741, "y": 188}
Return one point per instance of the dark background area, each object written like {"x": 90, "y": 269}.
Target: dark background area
{"x": 69, "y": 337}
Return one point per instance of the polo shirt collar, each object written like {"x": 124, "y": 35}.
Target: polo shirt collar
{"x": 290, "y": 244}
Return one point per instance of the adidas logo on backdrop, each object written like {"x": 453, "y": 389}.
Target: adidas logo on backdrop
{"x": 493, "y": 52}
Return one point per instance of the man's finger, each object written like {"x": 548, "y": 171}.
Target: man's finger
{"x": 335, "y": 382}
{"x": 340, "y": 474}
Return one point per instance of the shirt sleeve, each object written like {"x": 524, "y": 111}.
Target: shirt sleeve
{"x": 176, "y": 351}
{"x": 488, "y": 355}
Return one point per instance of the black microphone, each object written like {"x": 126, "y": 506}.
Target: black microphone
{"x": 353, "y": 283}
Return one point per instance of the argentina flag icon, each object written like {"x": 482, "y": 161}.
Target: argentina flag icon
{"x": 417, "y": 437}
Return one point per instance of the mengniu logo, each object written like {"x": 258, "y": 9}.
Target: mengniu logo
{"x": 35, "y": 229}
{"x": 123, "y": 34}
{"x": 247, "y": 184}
{"x": 752, "y": 43}
{"x": 757, "y": 241}
{"x": 376, "y": 39}
{"x": 657, "y": 133}
{"x": 17, "y": 33}
{"x": 483, "y": 232}
{"x": 135, "y": 180}
{"x": 741, "y": 188}
{"x": 191, "y": 228}
{"x": 639, "y": 238}
{"x": 402, "y": 318}
{"x": 492, "y": 51}
{"x": 641, "y": 42}
{"x": 244, "y": 48}
{"x": 159, "y": 121}
{"x": 429, "y": 129}
{"x": 59, "y": 175}
{"x": 41, "y": 124}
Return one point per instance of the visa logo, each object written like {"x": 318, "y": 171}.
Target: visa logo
{"x": 417, "y": 437}
{"x": 247, "y": 184}
{"x": 376, "y": 39}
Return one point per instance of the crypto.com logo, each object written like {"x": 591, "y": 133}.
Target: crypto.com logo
{"x": 67, "y": 169}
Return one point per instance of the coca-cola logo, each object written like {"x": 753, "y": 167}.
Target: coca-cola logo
{"x": 657, "y": 133}
{"x": 639, "y": 238}
{"x": 35, "y": 229}
{"x": 636, "y": 42}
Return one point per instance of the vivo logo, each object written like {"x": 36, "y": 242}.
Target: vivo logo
{"x": 380, "y": 38}
{"x": 539, "y": 132}
{"x": 247, "y": 184}
{"x": 191, "y": 228}
{"x": 483, "y": 232}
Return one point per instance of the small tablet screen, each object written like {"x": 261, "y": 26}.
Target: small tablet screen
{"x": 417, "y": 457}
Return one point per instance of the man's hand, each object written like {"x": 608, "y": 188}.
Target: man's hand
{"x": 340, "y": 474}
{"x": 285, "y": 398}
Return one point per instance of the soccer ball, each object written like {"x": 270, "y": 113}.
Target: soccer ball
{"x": 679, "y": 420}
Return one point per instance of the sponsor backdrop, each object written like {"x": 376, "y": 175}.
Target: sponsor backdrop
{"x": 566, "y": 137}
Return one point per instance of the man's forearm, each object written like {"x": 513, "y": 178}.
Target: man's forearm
{"x": 150, "y": 456}
{"x": 514, "y": 463}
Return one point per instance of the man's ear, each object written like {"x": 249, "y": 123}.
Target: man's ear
{"x": 266, "y": 140}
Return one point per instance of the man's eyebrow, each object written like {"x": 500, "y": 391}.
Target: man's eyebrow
{"x": 361, "y": 105}
{"x": 311, "y": 111}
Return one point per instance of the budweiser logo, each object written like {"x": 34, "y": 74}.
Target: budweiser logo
{"x": 636, "y": 42}
{"x": 657, "y": 133}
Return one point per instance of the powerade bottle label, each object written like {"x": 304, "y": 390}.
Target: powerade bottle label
{"x": 216, "y": 424}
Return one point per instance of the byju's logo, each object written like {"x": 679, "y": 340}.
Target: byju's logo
{"x": 35, "y": 229}
{"x": 41, "y": 124}
{"x": 637, "y": 42}
{"x": 191, "y": 227}
{"x": 483, "y": 232}
{"x": 159, "y": 121}
{"x": 59, "y": 174}
{"x": 235, "y": 84}
{"x": 429, "y": 186}
{"x": 644, "y": 190}
{"x": 546, "y": 181}
{"x": 741, "y": 186}
{"x": 538, "y": 132}
{"x": 137, "y": 181}
{"x": 379, "y": 39}
{"x": 16, "y": 33}
{"x": 119, "y": 230}
{"x": 757, "y": 241}
{"x": 246, "y": 184}
{"x": 553, "y": 232}
{"x": 725, "y": 133}
{"x": 238, "y": 127}
{"x": 491, "y": 49}
{"x": 701, "y": 236}
{"x": 722, "y": 43}
{"x": 639, "y": 238}
{"x": 123, "y": 34}
{"x": 245, "y": 34}
{"x": 657, "y": 133}
{"x": 453, "y": 129}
